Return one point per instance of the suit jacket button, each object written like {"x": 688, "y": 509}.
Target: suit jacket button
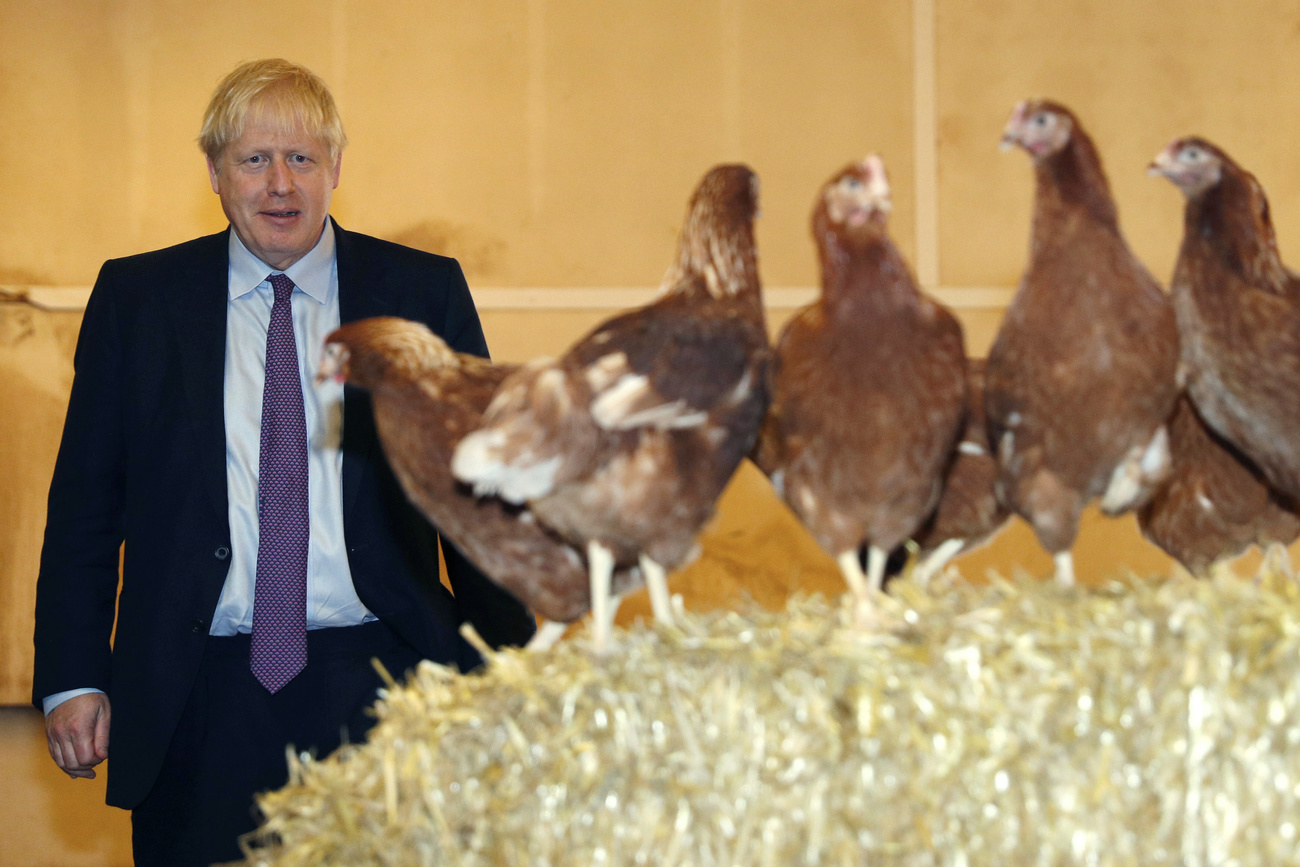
{"x": 222, "y": 553}
{"x": 198, "y": 627}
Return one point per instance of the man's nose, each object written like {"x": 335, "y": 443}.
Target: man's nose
{"x": 280, "y": 180}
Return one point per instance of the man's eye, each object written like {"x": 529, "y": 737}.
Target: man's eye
{"x": 298, "y": 159}
{"x": 254, "y": 160}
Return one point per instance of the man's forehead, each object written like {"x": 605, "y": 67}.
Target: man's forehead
{"x": 272, "y": 133}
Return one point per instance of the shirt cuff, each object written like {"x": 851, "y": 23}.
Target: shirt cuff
{"x": 50, "y": 702}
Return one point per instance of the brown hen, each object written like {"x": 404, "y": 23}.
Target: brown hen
{"x": 425, "y": 398}
{"x": 869, "y": 388}
{"x": 624, "y": 444}
{"x": 1238, "y": 311}
{"x": 969, "y": 512}
{"x": 1215, "y": 504}
{"x": 1081, "y": 376}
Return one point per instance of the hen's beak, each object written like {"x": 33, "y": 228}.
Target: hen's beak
{"x": 333, "y": 363}
{"x": 1011, "y": 133}
{"x": 878, "y": 192}
{"x": 1162, "y": 165}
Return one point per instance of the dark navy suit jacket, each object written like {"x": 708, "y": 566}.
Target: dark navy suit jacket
{"x": 143, "y": 460}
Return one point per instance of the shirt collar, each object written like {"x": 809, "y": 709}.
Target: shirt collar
{"x": 311, "y": 273}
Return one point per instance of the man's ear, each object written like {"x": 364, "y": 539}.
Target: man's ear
{"x": 213, "y": 175}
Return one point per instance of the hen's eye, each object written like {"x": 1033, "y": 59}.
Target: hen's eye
{"x": 1040, "y": 120}
{"x": 1191, "y": 154}
{"x": 851, "y": 184}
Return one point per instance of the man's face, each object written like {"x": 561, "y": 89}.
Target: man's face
{"x": 275, "y": 187}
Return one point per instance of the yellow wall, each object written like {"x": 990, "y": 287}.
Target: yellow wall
{"x": 550, "y": 145}
{"x": 547, "y": 143}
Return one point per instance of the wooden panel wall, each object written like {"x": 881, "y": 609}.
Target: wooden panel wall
{"x": 35, "y": 377}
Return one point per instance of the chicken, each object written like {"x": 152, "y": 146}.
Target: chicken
{"x": 1238, "y": 311}
{"x": 426, "y": 397}
{"x": 869, "y": 389}
{"x": 1081, "y": 377}
{"x": 1215, "y": 505}
{"x": 623, "y": 445}
{"x": 969, "y": 513}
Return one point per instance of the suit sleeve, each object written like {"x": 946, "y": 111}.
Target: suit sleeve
{"x": 76, "y": 589}
{"x": 461, "y": 328}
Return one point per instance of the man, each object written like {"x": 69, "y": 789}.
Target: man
{"x": 196, "y": 436}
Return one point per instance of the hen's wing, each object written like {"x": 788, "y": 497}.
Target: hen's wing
{"x": 536, "y": 433}
{"x": 668, "y": 366}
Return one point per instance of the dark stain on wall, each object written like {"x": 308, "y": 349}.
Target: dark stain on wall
{"x": 480, "y": 255}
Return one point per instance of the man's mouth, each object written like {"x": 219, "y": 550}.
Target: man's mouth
{"x": 279, "y": 214}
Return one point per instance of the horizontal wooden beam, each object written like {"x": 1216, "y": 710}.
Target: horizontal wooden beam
{"x": 559, "y": 297}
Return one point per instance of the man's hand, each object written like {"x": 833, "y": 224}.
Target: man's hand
{"x": 77, "y": 734}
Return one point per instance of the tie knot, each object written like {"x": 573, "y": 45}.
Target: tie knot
{"x": 282, "y": 285}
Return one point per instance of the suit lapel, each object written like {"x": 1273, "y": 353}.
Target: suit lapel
{"x": 198, "y": 314}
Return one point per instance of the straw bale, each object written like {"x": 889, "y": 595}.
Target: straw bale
{"x": 1137, "y": 722}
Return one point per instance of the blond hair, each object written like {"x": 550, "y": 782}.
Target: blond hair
{"x": 276, "y": 90}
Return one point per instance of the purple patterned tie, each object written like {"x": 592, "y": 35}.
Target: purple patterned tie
{"x": 279, "y": 641}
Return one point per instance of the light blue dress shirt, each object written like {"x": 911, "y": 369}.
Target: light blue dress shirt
{"x": 331, "y": 598}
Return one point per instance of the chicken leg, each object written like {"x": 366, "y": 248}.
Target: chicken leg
{"x": 933, "y": 563}
{"x": 1064, "y": 568}
{"x": 547, "y": 634}
{"x": 600, "y": 562}
{"x": 656, "y": 582}
{"x": 865, "y": 586}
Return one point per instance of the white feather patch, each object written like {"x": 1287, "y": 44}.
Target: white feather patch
{"x": 969, "y": 448}
{"x": 1122, "y": 490}
{"x": 606, "y": 369}
{"x": 1156, "y": 459}
{"x": 1131, "y": 480}
{"x": 625, "y": 405}
{"x": 743, "y": 387}
{"x": 1007, "y": 447}
{"x": 477, "y": 461}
